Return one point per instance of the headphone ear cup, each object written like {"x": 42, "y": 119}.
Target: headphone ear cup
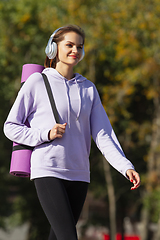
{"x": 51, "y": 49}
{"x": 83, "y": 53}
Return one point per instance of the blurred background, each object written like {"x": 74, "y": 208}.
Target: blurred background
{"x": 122, "y": 58}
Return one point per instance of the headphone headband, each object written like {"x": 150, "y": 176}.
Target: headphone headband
{"x": 51, "y": 48}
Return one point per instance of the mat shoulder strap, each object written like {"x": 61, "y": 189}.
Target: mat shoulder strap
{"x": 51, "y": 98}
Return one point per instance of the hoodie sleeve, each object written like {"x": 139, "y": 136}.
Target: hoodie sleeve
{"x": 15, "y": 127}
{"x": 105, "y": 138}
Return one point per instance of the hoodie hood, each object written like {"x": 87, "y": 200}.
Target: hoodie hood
{"x": 51, "y": 71}
{"x": 72, "y": 90}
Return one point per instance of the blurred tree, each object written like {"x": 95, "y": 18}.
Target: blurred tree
{"x": 133, "y": 89}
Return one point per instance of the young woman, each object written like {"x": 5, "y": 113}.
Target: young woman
{"x": 60, "y": 160}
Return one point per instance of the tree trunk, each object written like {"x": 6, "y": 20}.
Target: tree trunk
{"x": 111, "y": 198}
{"x": 157, "y": 234}
{"x": 145, "y": 223}
{"x": 153, "y": 161}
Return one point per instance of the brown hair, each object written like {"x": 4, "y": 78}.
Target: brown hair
{"x": 59, "y": 36}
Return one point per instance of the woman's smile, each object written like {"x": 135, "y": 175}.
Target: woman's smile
{"x": 73, "y": 56}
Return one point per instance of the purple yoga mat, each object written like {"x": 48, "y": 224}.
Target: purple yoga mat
{"x": 20, "y": 160}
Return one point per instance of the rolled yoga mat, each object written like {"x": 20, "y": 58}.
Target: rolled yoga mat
{"x": 21, "y": 154}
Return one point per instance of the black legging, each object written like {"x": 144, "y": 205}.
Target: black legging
{"x": 62, "y": 202}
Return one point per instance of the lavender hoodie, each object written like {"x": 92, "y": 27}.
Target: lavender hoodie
{"x": 78, "y": 104}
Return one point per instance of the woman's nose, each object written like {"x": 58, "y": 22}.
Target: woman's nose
{"x": 75, "y": 49}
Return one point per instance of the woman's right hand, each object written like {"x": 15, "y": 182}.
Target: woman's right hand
{"x": 57, "y": 131}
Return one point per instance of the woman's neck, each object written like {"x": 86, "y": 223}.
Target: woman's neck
{"x": 65, "y": 71}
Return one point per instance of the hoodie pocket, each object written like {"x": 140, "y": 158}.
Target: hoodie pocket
{"x": 54, "y": 156}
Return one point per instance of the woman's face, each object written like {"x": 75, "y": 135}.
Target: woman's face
{"x": 70, "y": 49}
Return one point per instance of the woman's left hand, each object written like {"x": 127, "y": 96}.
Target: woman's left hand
{"x": 134, "y": 178}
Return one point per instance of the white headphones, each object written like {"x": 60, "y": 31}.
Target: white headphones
{"x": 51, "y": 48}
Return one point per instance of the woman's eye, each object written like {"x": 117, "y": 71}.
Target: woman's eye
{"x": 69, "y": 45}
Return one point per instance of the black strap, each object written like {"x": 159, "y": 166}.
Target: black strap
{"x": 50, "y": 95}
{"x": 21, "y": 147}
